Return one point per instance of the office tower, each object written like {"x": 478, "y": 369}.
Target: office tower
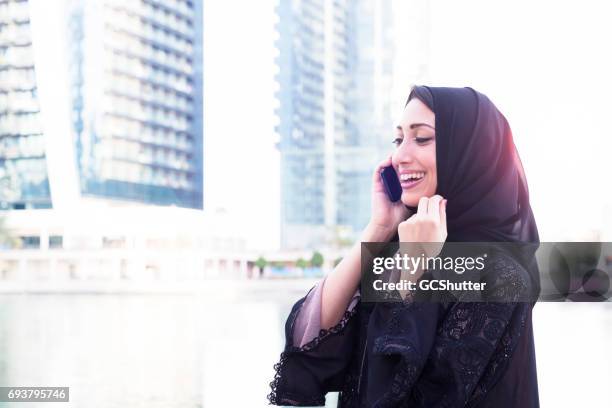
{"x": 101, "y": 100}
{"x": 23, "y": 162}
{"x": 334, "y": 72}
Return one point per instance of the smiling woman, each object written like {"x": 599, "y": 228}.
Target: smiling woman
{"x": 415, "y": 156}
{"x": 453, "y": 145}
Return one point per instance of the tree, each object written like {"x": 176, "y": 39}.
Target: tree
{"x": 317, "y": 259}
{"x": 261, "y": 264}
{"x": 301, "y": 263}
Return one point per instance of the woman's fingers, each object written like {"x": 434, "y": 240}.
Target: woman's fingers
{"x": 428, "y": 225}
{"x": 433, "y": 206}
{"x": 376, "y": 176}
{"x": 422, "y": 207}
{"x": 384, "y": 163}
{"x": 430, "y": 206}
{"x": 443, "y": 213}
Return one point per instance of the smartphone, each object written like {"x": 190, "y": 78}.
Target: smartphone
{"x": 391, "y": 183}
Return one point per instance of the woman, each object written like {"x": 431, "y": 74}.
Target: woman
{"x": 455, "y": 147}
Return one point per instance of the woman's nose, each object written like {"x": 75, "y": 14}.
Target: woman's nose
{"x": 403, "y": 154}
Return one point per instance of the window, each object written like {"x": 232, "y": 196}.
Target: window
{"x": 56, "y": 241}
{"x": 30, "y": 242}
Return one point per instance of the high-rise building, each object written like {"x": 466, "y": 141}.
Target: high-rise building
{"x": 370, "y": 126}
{"x": 100, "y": 99}
{"x": 334, "y": 73}
{"x": 23, "y": 162}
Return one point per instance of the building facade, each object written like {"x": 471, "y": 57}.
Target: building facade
{"x": 24, "y": 180}
{"x": 335, "y": 60}
{"x": 114, "y": 112}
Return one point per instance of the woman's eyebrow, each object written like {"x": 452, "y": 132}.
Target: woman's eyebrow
{"x": 412, "y": 126}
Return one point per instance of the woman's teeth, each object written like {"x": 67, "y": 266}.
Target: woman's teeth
{"x": 412, "y": 176}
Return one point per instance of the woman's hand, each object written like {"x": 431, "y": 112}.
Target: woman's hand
{"x": 385, "y": 215}
{"x": 428, "y": 225}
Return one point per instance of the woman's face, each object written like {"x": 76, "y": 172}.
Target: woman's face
{"x": 414, "y": 158}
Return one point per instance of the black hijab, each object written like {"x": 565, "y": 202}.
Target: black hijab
{"x": 480, "y": 174}
{"x": 479, "y": 170}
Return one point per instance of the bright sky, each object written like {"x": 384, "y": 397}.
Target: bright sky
{"x": 544, "y": 66}
{"x": 543, "y": 63}
{"x": 241, "y": 162}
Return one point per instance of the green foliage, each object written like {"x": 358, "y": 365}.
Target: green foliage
{"x": 261, "y": 262}
{"x": 317, "y": 259}
{"x": 301, "y": 263}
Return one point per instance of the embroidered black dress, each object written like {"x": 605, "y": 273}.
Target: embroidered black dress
{"x": 419, "y": 354}
{"x": 443, "y": 353}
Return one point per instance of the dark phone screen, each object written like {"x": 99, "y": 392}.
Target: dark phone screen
{"x": 391, "y": 183}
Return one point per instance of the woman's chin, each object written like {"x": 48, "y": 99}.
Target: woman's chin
{"x": 410, "y": 200}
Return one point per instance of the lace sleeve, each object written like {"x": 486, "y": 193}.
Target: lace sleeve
{"x": 308, "y": 322}
{"x": 310, "y": 367}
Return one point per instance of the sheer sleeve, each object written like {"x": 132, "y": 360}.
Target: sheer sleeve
{"x": 314, "y": 361}
{"x": 308, "y": 321}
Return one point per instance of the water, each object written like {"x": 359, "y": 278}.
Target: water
{"x": 194, "y": 351}
{"x": 141, "y": 350}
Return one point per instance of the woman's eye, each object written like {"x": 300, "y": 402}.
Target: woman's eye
{"x": 422, "y": 140}
{"x": 397, "y": 141}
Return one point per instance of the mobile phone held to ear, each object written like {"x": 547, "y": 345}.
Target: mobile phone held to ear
{"x": 391, "y": 183}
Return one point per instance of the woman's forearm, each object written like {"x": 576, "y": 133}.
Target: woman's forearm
{"x": 342, "y": 282}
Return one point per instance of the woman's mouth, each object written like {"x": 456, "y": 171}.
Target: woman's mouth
{"x": 409, "y": 180}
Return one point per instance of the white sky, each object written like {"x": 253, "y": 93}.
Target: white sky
{"x": 241, "y": 163}
{"x": 544, "y": 64}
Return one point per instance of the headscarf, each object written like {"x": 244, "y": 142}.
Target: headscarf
{"x": 479, "y": 170}
{"x": 481, "y": 175}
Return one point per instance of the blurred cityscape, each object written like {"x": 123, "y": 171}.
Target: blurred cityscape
{"x": 101, "y": 140}
{"x": 222, "y": 148}
{"x": 110, "y": 158}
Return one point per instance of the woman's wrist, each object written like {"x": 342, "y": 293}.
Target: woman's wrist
{"x": 377, "y": 233}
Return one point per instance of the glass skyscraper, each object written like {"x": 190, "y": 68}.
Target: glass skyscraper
{"x": 334, "y": 62}
{"x": 114, "y": 113}
{"x": 23, "y": 162}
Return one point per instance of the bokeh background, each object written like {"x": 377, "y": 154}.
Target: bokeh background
{"x": 175, "y": 174}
